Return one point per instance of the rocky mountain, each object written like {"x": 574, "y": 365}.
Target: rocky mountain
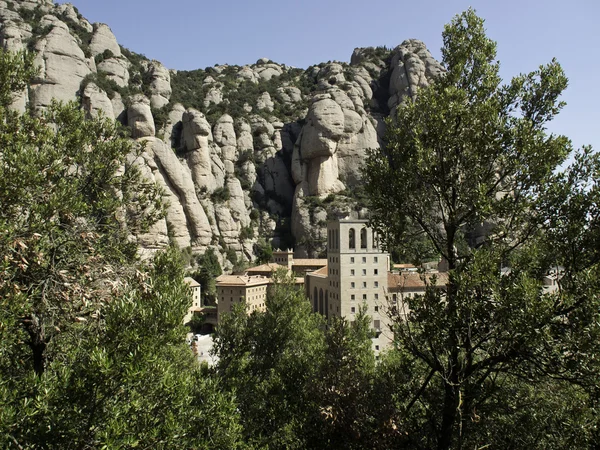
{"x": 262, "y": 151}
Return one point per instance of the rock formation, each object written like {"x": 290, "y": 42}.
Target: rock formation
{"x": 240, "y": 152}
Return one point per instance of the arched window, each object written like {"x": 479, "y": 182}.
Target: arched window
{"x": 363, "y": 238}
{"x": 321, "y": 301}
{"x": 316, "y": 300}
{"x": 351, "y": 238}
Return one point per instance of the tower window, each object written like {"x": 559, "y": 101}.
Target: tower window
{"x": 363, "y": 238}
{"x": 351, "y": 238}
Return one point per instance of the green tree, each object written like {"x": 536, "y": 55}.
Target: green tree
{"x": 91, "y": 342}
{"x": 468, "y": 164}
{"x": 263, "y": 251}
{"x": 344, "y": 386}
{"x": 300, "y": 382}
{"x": 206, "y": 273}
{"x": 270, "y": 359}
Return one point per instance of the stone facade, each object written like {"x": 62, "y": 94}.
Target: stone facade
{"x": 232, "y": 289}
{"x": 355, "y": 278}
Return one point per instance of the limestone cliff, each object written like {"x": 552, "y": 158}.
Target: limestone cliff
{"x": 241, "y": 151}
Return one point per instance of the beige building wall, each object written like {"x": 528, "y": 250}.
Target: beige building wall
{"x": 232, "y": 289}
{"x": 356, "y": 277}
{"x": 284, "y": 257}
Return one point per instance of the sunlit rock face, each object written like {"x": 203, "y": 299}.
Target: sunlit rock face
{"x": 242, "y": 153}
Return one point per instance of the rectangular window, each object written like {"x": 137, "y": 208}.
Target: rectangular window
{"x": 377, "y": 347}
{"x": 364, "y": 272}
{"x": 375, "y": 259}
{"x": 352, "y": 297}
{"x": 377, "y": 324}
{"x": 352, "y": 285}
{"x": 376, "y": 296}
{"x": 352, "y": 260}
{"x": 352, "y": 272}
{"x": 376, "y": 308}
{"x": 375, "y": 272}
{"x": 364, "y": 260}
{"x": 377, "y": 284}
{"x": 364, "y": 284}
{"x": 364, "y": 296}
{"x": 353, "y": 310}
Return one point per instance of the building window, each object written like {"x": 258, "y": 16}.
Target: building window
{"x": 352, "y": 260}
{"x": 352, "y": 272}
{"x": 363, "y": 238}
{"x": 364, "y": 284}
{"x": 374, "y": 237}
{"x": 375, "y": 272}
{"x": 352, "y": 285}
{"x": 376, "y": 296}
{"x": 364, "y": 296}
{"x": 376, "y": 308}
{"x": 351, "y": 238}
{"x": 377, "y": 284}
{"x": 353, "y": 310}
{"x": 377, "y": 347}
{"x": 352, "y": 297}
{"x": 364, "y": 260}
{"x": 377, "y": 324}
{"x": 364, "y": 272}
{"x": 375, "y": 259}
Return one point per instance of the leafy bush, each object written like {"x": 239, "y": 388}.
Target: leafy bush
{"x": 263, "y": 251}
{"x": 220, "y": 195}
{"x": 106, "y": 54}
{"x": 246, "y": 233}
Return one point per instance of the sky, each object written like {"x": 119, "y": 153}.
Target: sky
{"x": 192, "y": 34}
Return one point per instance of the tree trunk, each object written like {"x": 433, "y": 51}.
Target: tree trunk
{"x": 449, "y": 415}
{"x": 37, "y": 343}
{"x": 451, "y": 377}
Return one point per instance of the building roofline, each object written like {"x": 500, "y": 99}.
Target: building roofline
{"x": 364, "y": 221}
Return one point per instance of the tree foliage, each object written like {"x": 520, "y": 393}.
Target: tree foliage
{"x": 297, "y": 384}
{"x": 468, "y": 165}
{"x": 92, "y": 351}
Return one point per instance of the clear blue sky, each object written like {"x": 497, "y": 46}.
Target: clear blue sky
{"x": 191, "y": 34}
